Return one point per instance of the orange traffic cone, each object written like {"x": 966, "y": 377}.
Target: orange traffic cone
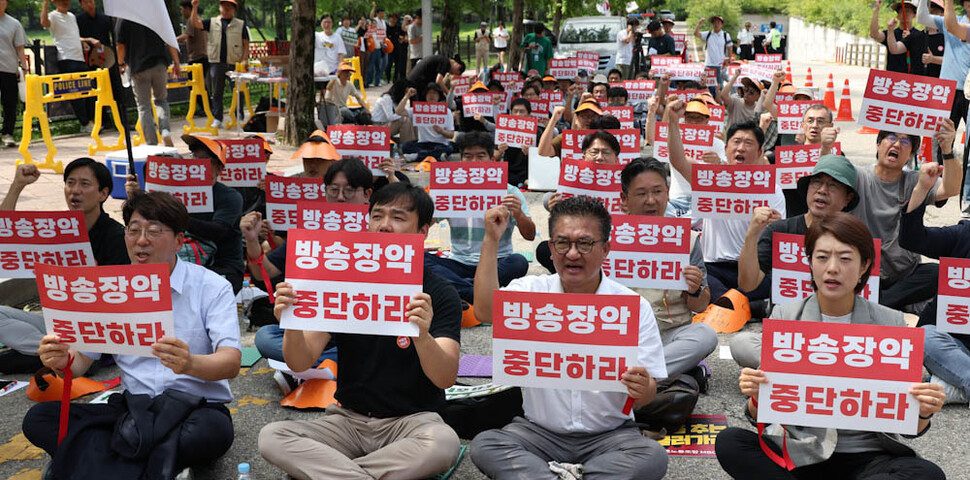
{"x": 788, "y": 71}
{"x": 845, "y": 105}
{"x": 808, "y": 79}
{"x": 867, "y": 131}
{"x": 829, "y": 100}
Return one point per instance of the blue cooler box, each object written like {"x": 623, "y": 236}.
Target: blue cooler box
{"x": 117, "y": 163}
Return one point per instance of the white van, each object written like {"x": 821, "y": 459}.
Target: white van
{"x": 591, "y": 34}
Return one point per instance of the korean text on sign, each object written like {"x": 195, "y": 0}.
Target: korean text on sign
{"x": 790, "y": 115}
{"x": 353, "y": 282}
{"x": 563, "y": 68}
{"x": 696, "y": 438}
{"x": 686, "y": 95}
{"x": 114, "y": 309}
{"x": 835, "y": 375}
{"x": 905, "y": 103}
{"x": 540, "y": 108}
{"x": 649, "y": 252}
{"x": 717, "y": 118}
{"x": 478, "y": 104}
{"x": 659, "y": 64}
{"x": 282, "y": 195}
{"x": 731, "y": 191}
{"x": 515, "y": 131}
{"x": 370, "y": 144}
{"x": 686, "y": 71}
{"x": 796, "y": 161}
{"x": 696, "y": 139}
{"x": 187, "y": 179}
{"x": 596, "y": 180}
{"x": 771, "y": 60}
{"x": 572, "y": 143}
{"x": 953, "y": 304}
{"x": 623, "y": 114}
{"x": 557, "y": 340}
{"x": 467, "y": 189}
{"x": 430, "y": 113}
{"x": 589, "y": 61}
{"x": 554, "y": 96}
{"x": 639, "y": 91}
{"x": 332, "y": 216}
{"x": 54, "y": 238}
{"x": 245, "y": 162}
{"x": 461, "y": 84}
{"x": 791, "y": 276}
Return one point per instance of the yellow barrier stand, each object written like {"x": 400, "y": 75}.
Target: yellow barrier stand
{"x": 358, "y": 81}
{"x": 191, "y": 76}
{"x": 44, "y": 89}
{"x": 243, "y": 87}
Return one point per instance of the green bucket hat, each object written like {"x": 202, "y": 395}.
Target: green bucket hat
{"x": 837, "y": 167}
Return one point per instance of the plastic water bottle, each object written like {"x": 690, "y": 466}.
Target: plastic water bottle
{"x": 243, "y": 472}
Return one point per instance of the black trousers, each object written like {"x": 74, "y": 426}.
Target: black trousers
{"x": 83, "y": 107}
{"x": 915, "y": 287}
{"x": 204, "y": 436}
{"x": 747, "y": 52}
{"x": 740, "y": 455}
{"x": 9, "y": 98}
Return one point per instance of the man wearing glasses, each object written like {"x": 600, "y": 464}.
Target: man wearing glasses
{"x": 570, "y": 426}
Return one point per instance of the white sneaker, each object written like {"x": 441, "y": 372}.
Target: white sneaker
{"x": 167, "y": 138}
{"x": 217, "y": 123}
{"x": 286, "y": 382}
{"x": 953, "y": 393}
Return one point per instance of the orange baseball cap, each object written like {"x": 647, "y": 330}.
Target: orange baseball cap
{"x": 478, "y": 86}
{"x": 345, "y": 67}
{"x": 589, "y": 105}
{"x": 549, "y": 78}
{"x": 213, "y": 146}
{"x": 698, "y": 105}
{"x": 317, "y": 146}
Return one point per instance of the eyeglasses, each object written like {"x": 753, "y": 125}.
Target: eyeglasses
{"x": 599, "y": 152}
{"x": 152, "y": 233}
{"x": 562, "y": 246}
{"x": 817, "y": 121}
{"x": 347, "y": 191}
{"x": 904, "y": 141}
{"x": 817, "y": 183}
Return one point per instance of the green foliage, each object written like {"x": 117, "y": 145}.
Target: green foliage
{"x": 700, "y": 9}
{"x": 763, "y": 7}
{"x": 852, "y": 16}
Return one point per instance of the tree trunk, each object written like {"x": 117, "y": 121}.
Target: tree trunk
{"x": 449, "y": 27}
{"x": 557, "y": 17}
{"x": 280, "y": 21}
{"x": 515, "y": 38}
{"x": 299, "y": 110}
{"x": 175, "y": 15}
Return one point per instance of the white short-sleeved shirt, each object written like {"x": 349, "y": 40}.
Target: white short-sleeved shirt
{"x": 573, "y": 411}
{"x": 326, "y": 49}
{"x": 426, "y": 133}
{"x": 722, "y": 240}
{"x": 680, "y": 186}
{"x": 716, "y": 41}
{"x": 500, "y": 37}
{"x": 624, "y": 51}
{"x": 67, "y": 37}
{"x": 12, "y": 35}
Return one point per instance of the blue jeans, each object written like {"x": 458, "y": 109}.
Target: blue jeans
{"x": 946, "y": 357}
{"x": 723, "y": 276}
{"x": 269, "y": 342}
{"x": 462, "y": 276}
{"x": 376, "y": 61}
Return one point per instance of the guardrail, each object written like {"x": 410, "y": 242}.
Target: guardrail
{"x": 862, "y": 55}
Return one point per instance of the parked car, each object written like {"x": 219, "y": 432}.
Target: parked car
{"x": 590, "y": 34}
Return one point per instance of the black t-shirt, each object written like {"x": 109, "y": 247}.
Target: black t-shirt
{"x": 936, "y": 45}
{"x": 663, "y": 45}
{"x": 427, "y": 70}
{"x": 916, "y": 45}
{"x": 144, "y": 48}
{"x": 222, "y": 45}
{"x": 793, "y": 225}
{"x": 394, "y": 33}
{"x": 378, "y": 377}
{"x": 107, "y": 238}
{"x": 222, "y": 228}
{"x": 98, "y": 26}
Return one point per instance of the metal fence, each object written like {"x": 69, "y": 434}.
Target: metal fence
{"x": 862, "y": 55}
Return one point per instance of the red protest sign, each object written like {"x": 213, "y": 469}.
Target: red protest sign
{"x": 687, "y": 95}
{"x": 477, "y": 104}
{"x": 245, "y": 162}
{"x": 953, "y": 302}
{"x": 790, "y": 115}
{"x": 430, "y": 113}
{"x": 370, "y": 144}
{"x": 282, "y": 195}
{"x": 589, "y": 61}
{"x": 506, "y": 77}
{"x": 540, "y": 108}
{"x": 730, "y": 191}
{"x": 834, "y": 375}
{"x": 55, "y": 238}
{"x": 187, "y": 179}
{"x": 772, "y": 60}
{"x": 460, "y": 85}
{"x": 563, "y": 68}
{"x": 659, "y": 64}
{"x": 332, "y": 217}
{"x": 696, "y": 139}
{"x": 353, "y": 282}
{"x": 629, "y": 138}
{"x": 113, "y": 309}
{"x": 791, "y": 275}
{"x": 556, "y": 340}
{"x": 796, "y": 161}
{"x": 623, "y": 114}
{"x": 717, "y": 117}
{"x": 680, "y": 41}
{"x": 597, "y": 180}
{"x": 649, "y": 251}
{"x": 710, "y": 77}
{"x": 553, "y": 96}
{"x": 904, "y": 103}
{"x": 686, "y": 71}
{"x": 467, "y": 189}
{"x": 515, "y": 131}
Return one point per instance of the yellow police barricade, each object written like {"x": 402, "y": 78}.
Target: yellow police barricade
{"x": 239, "y": 86}
{"x": 358, "y": 81}
{"x": 44, "y": 89}
{"x": 190, "y": 76}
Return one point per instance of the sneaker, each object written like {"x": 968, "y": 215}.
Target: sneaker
{"x": 167, "y": 138}
{"x": 87, "y": 129}
{"x": 286, "y": 382}
{"x": 12, "y": 361}
{"x": 217, "y": 123}
{"x": 953, "y": 394}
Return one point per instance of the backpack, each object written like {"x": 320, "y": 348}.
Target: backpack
{"x": 470, "y": 415}
{"x": 197, "y": 250}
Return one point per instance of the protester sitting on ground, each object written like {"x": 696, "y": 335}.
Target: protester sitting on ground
{"x": 188, "y": 374}
{"x": 550, "y": 143}
{"x": 746, "y": 108}
{"x": 87, "y": 184}
{"x": 391, "y": 111}
{"x": 518, "y": 158}
{"x": 433, "y": 141}
{"x": 467, "y": 233}
{"x": 569, "y": 426}
{"x": 831, "y": 188}
{"x": 817, "y": 129}
{"x": 339, "y": 90}
{"x": 946, "y": 354}
{"x": 882, "y": 188}
{"x": 840, "y": 252}
{"x": 644, "y": 192}
{"x": 385, "y": 425}
{"x": 722, "y": 240}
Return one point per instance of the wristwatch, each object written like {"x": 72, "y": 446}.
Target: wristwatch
{"x": 697, "y": 293}
{"x": 949, "y": 156}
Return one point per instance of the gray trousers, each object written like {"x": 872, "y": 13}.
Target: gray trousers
{"x": 343, "y": 444}
{"x": 21, "y": 330}
{"x": 746, "y": 349}
{"x": 685, "y": 346}
{"x": 523, "y": 450}
{"x": 146, "y": 83}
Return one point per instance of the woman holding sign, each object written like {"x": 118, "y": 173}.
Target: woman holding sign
{"x": 840, "y": 253}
